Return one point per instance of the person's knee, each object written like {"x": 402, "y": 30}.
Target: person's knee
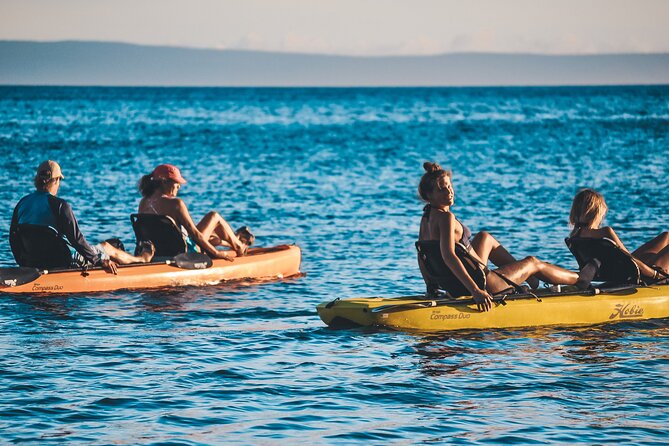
{"x": 531, "y": 264}
{"x": 108, "y": 249}
{"x": 483, "y": 236}
{"x": 532, "y": 260}
{"x": 213, "y": 216}
{"x": 489, "y": 239}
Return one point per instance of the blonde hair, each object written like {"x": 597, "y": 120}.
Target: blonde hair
{"x": 433, "y": 174}
{"x": 588, "y": 206}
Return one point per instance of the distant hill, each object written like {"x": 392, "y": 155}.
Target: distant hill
{"x": 99, "y": 63}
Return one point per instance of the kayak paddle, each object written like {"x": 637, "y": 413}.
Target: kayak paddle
{"x": 191, "y": 260}
{"x": 502, "y": 299}
{"x": 18, "y": 276}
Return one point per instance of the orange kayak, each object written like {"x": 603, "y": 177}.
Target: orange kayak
{"x": 260, "y": 263}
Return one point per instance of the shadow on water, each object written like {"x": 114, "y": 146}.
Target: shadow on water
{"x": 448, "y": 353}
{"x": 238, "y": 294}
{"x": 58, "y": 306}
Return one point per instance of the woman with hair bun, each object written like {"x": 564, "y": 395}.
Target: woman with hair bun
{"x": 439, "y": 223}
{"x": 159, "y": 191}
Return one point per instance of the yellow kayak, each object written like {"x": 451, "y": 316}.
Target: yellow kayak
{"x": 624, "y": 303}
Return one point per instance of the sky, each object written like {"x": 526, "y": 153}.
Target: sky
{"x": 351, "y": 27}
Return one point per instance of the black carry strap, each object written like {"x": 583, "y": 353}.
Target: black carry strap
{"x": 518, "y": 288}
{"x": 440, "y": 274}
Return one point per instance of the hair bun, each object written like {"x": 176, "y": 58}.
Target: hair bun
{"x": 431, "y": 167}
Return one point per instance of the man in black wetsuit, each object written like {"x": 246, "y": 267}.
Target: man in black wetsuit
{"x": 43, "y": 208}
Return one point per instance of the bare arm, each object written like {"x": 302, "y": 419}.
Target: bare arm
{"x": 446, "y": 224}
{"x": 194, "y": 233}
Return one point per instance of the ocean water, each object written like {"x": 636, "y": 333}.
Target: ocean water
{"x": 334, "y": 171}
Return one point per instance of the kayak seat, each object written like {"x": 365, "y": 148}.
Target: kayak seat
{"x": 39, "y": 247}
{"x": 162, "y": 231}
{"x": 429, "y": 253}
{"x": 617, "y": 266}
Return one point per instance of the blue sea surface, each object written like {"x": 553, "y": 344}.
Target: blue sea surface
{"x": 336, "y": 172}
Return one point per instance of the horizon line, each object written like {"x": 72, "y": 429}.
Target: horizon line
{"x": 325, "y": 54}
{"x": 335, "y": 87}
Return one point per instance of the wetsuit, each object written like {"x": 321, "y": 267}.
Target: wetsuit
{"x": 43, "y": 209}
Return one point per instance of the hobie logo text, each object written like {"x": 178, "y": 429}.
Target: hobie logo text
{"x": 627, "y": 311}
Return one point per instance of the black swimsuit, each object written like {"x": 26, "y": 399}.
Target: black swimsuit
{"x": 466, "y": 233}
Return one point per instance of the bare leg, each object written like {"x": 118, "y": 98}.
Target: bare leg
{"x": 487, "y": 247}
{"x": 662, "y": 259}
{"x": 651, "y": 251}
{"x": 216, "y": 229}
{"x": 123, "y": 258}
{"x": 520, "y": 271}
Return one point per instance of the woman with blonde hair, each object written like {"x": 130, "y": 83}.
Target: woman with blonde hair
{"x": 586, "y": 216}
{"x": 439, "y": 223}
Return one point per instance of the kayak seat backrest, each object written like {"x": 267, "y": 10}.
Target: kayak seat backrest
{"x": 161, "y": 230}
{"x": 429, "y": 253}
{"x": 39, "y": 247}
{"x": 617, "y": 266}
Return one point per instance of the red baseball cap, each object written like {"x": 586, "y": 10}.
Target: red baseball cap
{"x": 168, "y": 172}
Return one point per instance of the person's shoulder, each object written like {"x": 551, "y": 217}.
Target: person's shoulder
{"x": 24, "y": 198}
{"x": 444, "y": 215}
{"x": 58, "y": 201}
{"x": 444, "y": 219}
{"x": 606, "y": 231}
{"x": 174, "y": 203}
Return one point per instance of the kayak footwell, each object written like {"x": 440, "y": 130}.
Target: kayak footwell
{"x": 569, "y": 308}
{"x": 260, "y": 263}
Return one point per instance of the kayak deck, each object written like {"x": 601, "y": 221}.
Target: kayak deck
{"x": 260, "y": 263}
{"x": 415, "y": 313}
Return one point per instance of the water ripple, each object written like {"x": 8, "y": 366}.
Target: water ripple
{"x": 335, "y": 171}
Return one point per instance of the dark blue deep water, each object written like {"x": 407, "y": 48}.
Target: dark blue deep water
{"x": 335, "y": 171}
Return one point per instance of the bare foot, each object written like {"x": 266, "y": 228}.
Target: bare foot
{"x": 588, "y": 273}
{"x": 245, "y": 235}
{"x": 242, "y": 249}
{"x": 148, "y": 251}
{"x": 246, "y": 239}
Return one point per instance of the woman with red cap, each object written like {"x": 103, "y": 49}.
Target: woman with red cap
{"x": 159, "y": 191}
